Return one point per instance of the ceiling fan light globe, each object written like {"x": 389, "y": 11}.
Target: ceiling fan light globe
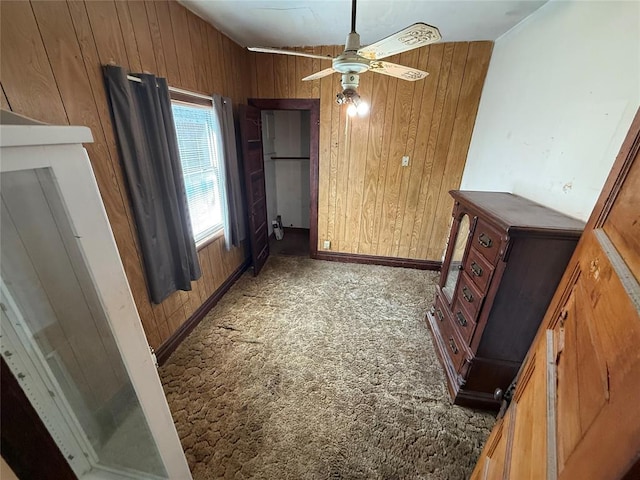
{"x": 362, "y": 109}
{"x": 352, "y": 110}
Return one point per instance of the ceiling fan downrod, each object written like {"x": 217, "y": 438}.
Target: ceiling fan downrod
{"x": 353, "y": 39}
{"x": 353, "y": 16}
{"x": 350, "y": 65}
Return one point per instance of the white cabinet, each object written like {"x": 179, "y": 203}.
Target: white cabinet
{"x": 71, "y": 333}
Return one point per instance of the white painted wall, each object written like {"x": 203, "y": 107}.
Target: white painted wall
{"x": 293, "y": 193}
{"x": 270, "y": 186}
{"x": 305, "y": 133}
{"x": 268, "y": 149}
{"x": 290, "y": 139}
{"x": 287, "y": 181}
{"x": 559, "y": 97}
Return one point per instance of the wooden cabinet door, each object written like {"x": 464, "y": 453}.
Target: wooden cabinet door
{"x": 517, "y": 446}
{"x": 576, "y": 409}
{"x": 597, "y": 366}
{"x": 491, "y": 465}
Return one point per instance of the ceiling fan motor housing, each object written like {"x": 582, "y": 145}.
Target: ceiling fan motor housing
{"x": 349, "y": 61}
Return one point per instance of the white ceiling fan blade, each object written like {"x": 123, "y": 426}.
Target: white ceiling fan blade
{"x": 398, "y": 71}
{"x": 320, "y": 74}
{"x": 288, "y": 52}
{"x": 415, "y": 36}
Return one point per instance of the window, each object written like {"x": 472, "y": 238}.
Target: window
{"x": 200, "y": 145}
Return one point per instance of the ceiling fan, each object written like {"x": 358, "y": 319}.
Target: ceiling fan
{"x": 357, "y": 59}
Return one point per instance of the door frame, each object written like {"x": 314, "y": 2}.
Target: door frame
{"x": 313, "y": 106}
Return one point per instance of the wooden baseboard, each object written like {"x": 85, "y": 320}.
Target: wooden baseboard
{"x": 375, "y": 260}
{"x": 295, "y": 229}
{"x": 166, "y": 349}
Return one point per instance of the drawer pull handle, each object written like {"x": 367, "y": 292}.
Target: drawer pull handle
{"x": 461, "y": 320}
{"x": 439, "y": 315}
{"x": 452, "y": 344}
{"x": 485, "y": 240}
{"x": 466, "y": 293}
{"x": 476, "y": 269}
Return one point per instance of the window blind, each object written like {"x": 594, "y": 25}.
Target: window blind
{"x": 199, "y": 143}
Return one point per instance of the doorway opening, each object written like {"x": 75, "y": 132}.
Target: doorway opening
{"x": 290, "y": 132}
{"x": 285, "y": 142}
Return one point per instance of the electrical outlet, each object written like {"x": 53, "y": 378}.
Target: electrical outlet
{"x": 327, "y": 244}
{"x": 405, "y": 161}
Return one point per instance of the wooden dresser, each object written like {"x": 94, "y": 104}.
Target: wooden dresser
{"x": 504, "y": 259}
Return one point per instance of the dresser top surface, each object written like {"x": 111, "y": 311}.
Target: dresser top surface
{"x": 515, "y": 213}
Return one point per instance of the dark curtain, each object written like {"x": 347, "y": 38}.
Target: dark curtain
{"x": 235, "y": 215}
{"x": 148, "y": 148}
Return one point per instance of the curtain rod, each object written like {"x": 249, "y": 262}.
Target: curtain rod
{"x": 175, "y": 89}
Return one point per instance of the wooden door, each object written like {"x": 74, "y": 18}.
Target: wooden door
{"x": 251, "y": 137}
{"x": 575, "y": 412}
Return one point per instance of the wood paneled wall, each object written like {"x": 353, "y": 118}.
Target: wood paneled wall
{"x": 51, "y": 54}
{"x": 368, "y": 202}
{"x": 51, "y": 57}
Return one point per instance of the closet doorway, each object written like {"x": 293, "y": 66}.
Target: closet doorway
{"x": 290, "y": 131}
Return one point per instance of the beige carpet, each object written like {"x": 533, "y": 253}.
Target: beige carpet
{"x": 320, "y": 370}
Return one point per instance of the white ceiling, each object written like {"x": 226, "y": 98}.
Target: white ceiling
{"x": 287, "y": 23}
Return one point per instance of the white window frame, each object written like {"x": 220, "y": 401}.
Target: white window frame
{"x": 195, "y": 100}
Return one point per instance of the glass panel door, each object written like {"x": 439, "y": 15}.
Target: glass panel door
{"x": 57, "y": 339}
{"x": 457, "y": 244}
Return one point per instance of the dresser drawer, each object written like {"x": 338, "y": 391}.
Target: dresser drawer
{"x": 441, "y": 313}
{"x": 454, "y": 345}
{"x": 463, "y": 321}
{"x": 478, "y": 269}
{"x": 469, "y": 296}
{"x": 487, "y": 240}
